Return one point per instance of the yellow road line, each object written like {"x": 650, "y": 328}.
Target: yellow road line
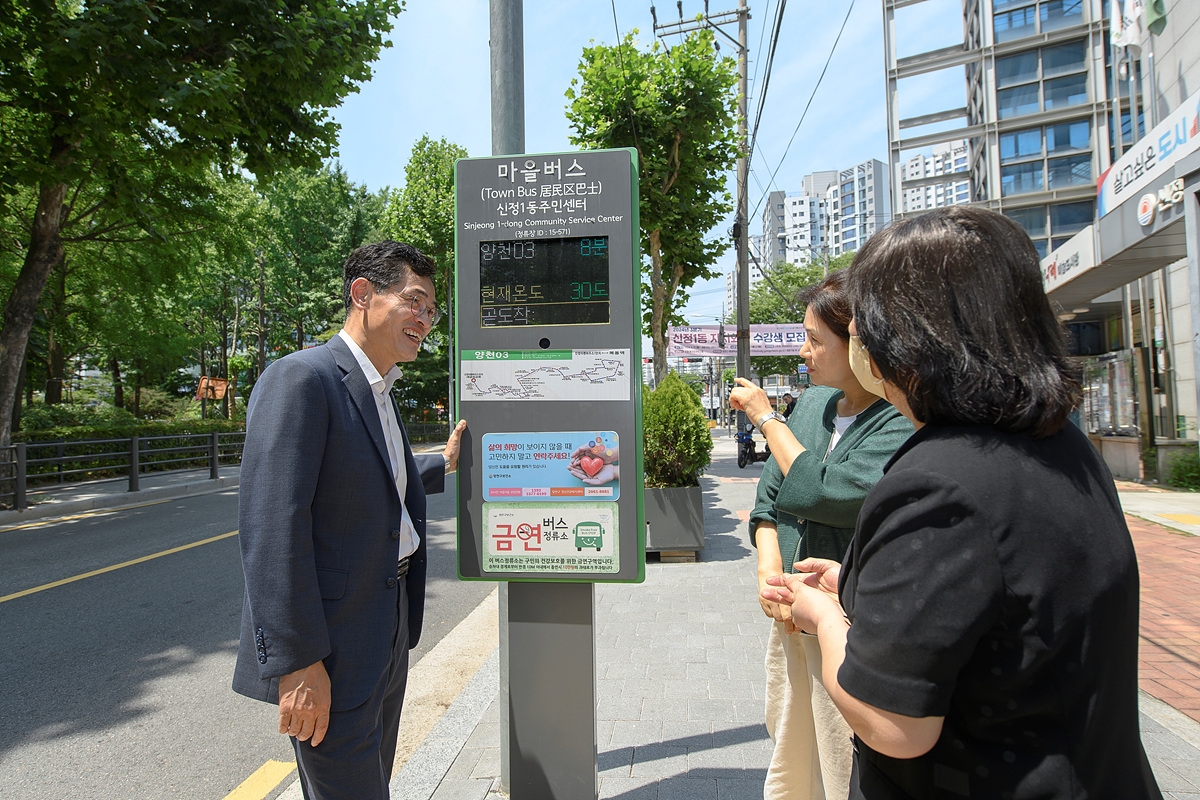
{"x": 264, "y": 779}
{"x": 85, "y": 514}
{"x": 95, "y": 572}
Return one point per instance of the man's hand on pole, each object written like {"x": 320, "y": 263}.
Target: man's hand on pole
{"x": 452, "y": 445}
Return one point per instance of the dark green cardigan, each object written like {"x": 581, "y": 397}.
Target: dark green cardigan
{"x": 816, "y": 506}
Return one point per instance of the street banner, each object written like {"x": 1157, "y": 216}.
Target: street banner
{"x": 706, "y": 340}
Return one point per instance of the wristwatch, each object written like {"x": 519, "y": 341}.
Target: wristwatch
{"x": 766, "y": 417}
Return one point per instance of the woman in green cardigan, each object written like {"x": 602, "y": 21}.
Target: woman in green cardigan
{"x": 825, "y": 458}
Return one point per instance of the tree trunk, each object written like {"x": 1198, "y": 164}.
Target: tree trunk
{"x": 203, "y": 374}
{"x": 262, "y": 318}
{"x": 21, "y": 381}
{"x": 299, "y": 312}
{"x": 56, "y": 370}
{"x": 231, "y": 402}
{"x": 44, "y": 252}
{"x": 53, "y": 303}
{"x": 114, "y": 367}
{"x": 661, "y": 292}
{"x": 658, "y": 335}
{"x": 225, "y": 363}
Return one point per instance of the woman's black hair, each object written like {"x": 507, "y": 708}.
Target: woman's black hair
{"x": 830, "y": 301}
{"x": 951, "y": 307}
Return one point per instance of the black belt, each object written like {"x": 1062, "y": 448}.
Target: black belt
{"x": 402, "y": 567}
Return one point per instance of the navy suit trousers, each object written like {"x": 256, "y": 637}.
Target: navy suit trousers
{"x": 354, "y": 761}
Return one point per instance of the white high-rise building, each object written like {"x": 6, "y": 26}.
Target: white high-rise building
{"x": 796, "y": 227}
{"x": 944, "y": 158}
{"x": 859, "y": 203}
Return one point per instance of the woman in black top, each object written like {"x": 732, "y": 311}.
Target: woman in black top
{"x": 985, "y": 644}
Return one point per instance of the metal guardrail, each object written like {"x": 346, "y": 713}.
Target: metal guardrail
{"x": 33, "y": 466}
{"x": 426, "y": 432}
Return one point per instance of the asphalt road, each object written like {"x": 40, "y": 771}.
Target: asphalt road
{"x": 116, "y": 686}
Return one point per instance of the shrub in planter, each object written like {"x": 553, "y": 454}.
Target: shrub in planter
{"x": 678, "y": 445}
{"x": 1185, "y": 472}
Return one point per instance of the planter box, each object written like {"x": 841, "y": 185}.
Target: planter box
{"x": 1122, "y": 454}
{"x": 674, "y": 519}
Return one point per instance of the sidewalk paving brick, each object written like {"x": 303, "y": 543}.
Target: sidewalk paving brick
{"x": 1169, "y": 651}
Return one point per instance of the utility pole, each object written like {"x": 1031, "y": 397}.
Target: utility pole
{"x": 740, "y": 231}
{"x": 507, "y": 51}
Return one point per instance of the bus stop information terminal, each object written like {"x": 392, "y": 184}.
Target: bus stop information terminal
{"x": 549, "y": 368}
{"x": 550, "y": 474}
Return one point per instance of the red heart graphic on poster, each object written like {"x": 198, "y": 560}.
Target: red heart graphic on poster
{"x": 591, "y": 465}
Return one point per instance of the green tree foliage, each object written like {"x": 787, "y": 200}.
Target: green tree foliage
{"x": 314, "y": 219}
{"x": 90, "y": 90}
{"x": 776, "y": 300}
{"x": 677, "y": 108}
{"x": 422, "y": 214}
{"x": 678, "y": 445}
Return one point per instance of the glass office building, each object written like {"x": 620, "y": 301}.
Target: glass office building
{"x": 1096, "y": 163}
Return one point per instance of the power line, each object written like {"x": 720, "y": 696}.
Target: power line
{"x": 762, "y": 97}
{"x": 625, "y": 80}
{"x": 807, "y": 105}
{"x": 761, "y": 34}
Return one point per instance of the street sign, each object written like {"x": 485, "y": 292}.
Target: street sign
{"x": 548, "y": 351}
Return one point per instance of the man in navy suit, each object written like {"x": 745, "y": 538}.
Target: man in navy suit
{"x": 332, "y": 527}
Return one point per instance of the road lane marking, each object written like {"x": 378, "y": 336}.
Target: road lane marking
{"x": 263, "y": 781}
{"x": 95, "y": 512}
{"x": 122, "y": 565}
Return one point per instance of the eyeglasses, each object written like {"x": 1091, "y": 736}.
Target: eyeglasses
{"x": 421, "y": 307}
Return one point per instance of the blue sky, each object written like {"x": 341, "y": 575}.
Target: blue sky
{"x": 435, "y": 80}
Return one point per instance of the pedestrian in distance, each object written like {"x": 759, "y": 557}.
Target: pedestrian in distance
{"x": 332, "y": 528}
{"x": 789, "y": 404}
{"x": 825, "y": 458}
{"x": 985, "y": 643}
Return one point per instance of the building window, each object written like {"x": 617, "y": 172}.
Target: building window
{"x": 1020, "y": 144}
{"x": 1021, "y": 68}
{"x": 1017, "y": 101}
{"x": 1064, "y": 58}
{"x": 1015, "y": 24}
{"x": 1060, "y": 70}
{"x": 1075, "y": 135}
{"x": 1033, "y": 220}
{"x": 1014, "y": 19}
{"x": 1056, "y": 14}
{"x": 1021, "y": 178}
{"x": 1068, "y": 219}
{"x": 1069, "y": 171}
{"x": 1068, "y": 91}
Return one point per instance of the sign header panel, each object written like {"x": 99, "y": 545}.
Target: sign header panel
{"x": 1150, "y": 159}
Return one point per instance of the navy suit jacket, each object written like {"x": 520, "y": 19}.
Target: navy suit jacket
{"x": 319, "y": 522}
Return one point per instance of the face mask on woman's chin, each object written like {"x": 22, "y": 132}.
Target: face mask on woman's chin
{"x": 860, "y": 365}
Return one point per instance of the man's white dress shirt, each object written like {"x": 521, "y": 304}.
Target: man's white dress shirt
{"x": 381, "y": 387}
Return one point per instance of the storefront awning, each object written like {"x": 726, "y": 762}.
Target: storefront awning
{"x": 1166, "y": 246}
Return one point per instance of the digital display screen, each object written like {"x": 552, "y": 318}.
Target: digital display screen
{"x": 544, "y": 282}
